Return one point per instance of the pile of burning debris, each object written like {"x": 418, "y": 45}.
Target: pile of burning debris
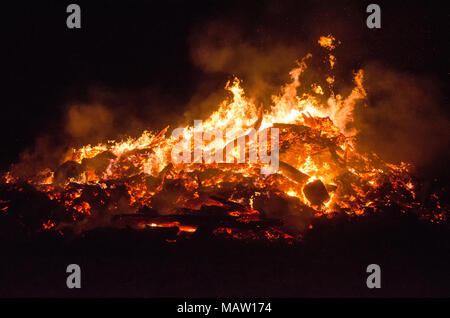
{"x": 134, "y": 183}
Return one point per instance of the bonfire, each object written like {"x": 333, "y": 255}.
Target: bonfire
{"x": 136, "y": 183}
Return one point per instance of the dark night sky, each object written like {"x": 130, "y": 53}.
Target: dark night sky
{"x": 131, "y": 47}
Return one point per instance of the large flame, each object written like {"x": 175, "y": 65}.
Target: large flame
{"x": 319, "y": 166}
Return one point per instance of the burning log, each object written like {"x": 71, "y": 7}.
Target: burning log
{"x": 292, "y": 173}
{"x": 69, "y": 169}
{"x": 273, "y": 206}
{"x": 98, "y": 163}
{"x": 73, "y": 170}
{"x": 316, "y": 193}
{"x": 208, "y": 217}
{"x": 291, "y": 127}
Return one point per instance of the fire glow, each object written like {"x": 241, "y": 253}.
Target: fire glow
{"x": 319, "y": 171}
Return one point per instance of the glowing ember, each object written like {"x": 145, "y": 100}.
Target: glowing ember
{"x": 320, "y": 171}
